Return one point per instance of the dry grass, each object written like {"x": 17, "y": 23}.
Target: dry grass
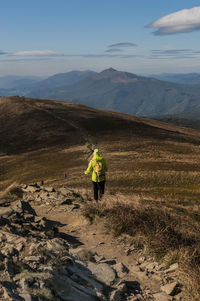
{"x": 160, "y": 232}
{"x": 154, "y": 165}
{"x": 10, "y": 194}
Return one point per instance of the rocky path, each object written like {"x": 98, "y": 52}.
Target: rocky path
{"x": 59, "y": 255}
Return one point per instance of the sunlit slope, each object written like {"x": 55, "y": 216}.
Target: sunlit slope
{"x": 45, "y": 139}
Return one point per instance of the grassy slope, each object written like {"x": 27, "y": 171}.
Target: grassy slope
{"x": 42, "y": 139}
{"x": 153, "y": 162}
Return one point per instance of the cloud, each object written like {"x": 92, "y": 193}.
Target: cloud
{"x": 127, "y": 44}
{"x": 21, "y": 59}
{"x": 123, "y": 56}
{"x": 172, "y": 51}
{"x": 99, "y": 55}
{"x": 114, "y": 50}
{"x": 2, "y": 52}
{"x": 38, "y": 53}
{"x": 174, "y": 54}
{"x": 186, "y": 20}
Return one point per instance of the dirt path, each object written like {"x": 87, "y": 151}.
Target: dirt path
{"x": 94, "y": 238}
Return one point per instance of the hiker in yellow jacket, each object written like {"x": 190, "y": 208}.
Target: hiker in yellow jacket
{"x": 98, "y": 167}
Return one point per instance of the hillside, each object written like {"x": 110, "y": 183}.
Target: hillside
{"x": 14, "y": 81}
{"x": 45, "y": 138}
{"x": 16, "y": 85}
{"x": 152, "y": 187}
{"x": 30, "y": 124}
{"x": 126, "y": 92}
{"x": 188, "y": 119}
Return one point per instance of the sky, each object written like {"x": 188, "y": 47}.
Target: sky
{"x": 45, "y": 37}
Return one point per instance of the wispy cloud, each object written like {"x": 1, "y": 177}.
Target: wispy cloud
{"x": 126, "y": 44}
{"x": 114, "y": 50}
{"x": 185, "y": 20}
{"x": 38, "y": 53}
{"x": 100, "y": 55}
{"x": 2, "y": 52}
{"x": 174, "y": 54}
{"x": 172, "y": 51}
{"x": 28, "y": 59}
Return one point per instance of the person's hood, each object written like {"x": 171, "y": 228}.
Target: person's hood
{"x": 96, "y": 154}
{"x": 97, "y": 157}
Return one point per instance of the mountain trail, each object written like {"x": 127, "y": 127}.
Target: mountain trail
{"x": 144, "y": 278}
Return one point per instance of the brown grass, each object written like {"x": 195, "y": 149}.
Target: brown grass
{"x": 160, "y": 232}
{"x": 153, "y": 164}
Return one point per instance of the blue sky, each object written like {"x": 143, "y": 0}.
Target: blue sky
{"x": 44, "y": 37}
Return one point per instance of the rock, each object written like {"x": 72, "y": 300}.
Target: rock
{"x": 43, "y": 194}
{"x": 82, "y": 254}
{"x": 141, "y": 259}
{"x": 38, "y": 259}
{"x": 6, "y": 212}
{"x": 161, "y": 297}
{"x": 24, "y": 207}
{"x": 128, "y": 251}
{"x": 109, "y": 261}
{"x": 29, "y": 218}
{"x": 67, "y": 202}
{"x": 172, "y": 268}
{"x": 116, "y": 295}
{"x": 9, "y": 292}
{"x": 68, "y": 290}
{"x": 31, "y": 188}
{"x": 24, "y": 285}
{"x": 121, "y": 270}
{"x": 75, "y": 207}
{"x": 64, "y": 190}
{"x": 9, "y": 267}
{"x": 171, "y": 288}
{"x": 151, "y": 266}
{"x": 26, "y": 296}
{"x": 102, "y": 272}
{"x": 3, "y": 221}
{"x": 49, "y": 189}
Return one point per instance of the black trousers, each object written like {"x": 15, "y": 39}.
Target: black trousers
{"x": 98, "y": 189}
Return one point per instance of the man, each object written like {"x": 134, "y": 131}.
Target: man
{"x": 98, "y": 167}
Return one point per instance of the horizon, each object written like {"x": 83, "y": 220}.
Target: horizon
{"x": 50, "y": 37}
{"x": 139, "y": 74}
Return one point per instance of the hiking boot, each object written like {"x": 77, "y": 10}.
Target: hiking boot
{"x": 95, "y": 201}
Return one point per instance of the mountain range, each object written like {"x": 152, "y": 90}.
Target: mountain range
{"x": 179, "y": 78}
{"x": 18, "y": 82}
{"x": 115, "y": 90}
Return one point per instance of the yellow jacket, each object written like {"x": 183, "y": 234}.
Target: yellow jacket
{"x": 90, "y": 168}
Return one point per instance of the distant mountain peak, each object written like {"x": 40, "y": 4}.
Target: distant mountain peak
{"x": 109, "y": 71}
{"x": 116, "y": 76}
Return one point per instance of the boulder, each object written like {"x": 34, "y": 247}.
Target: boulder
{"x": 171, "y": 288}
{"x": 121, "y": 269}
{"x": 24, "y": 207}
{"x": 102, "y": 272}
